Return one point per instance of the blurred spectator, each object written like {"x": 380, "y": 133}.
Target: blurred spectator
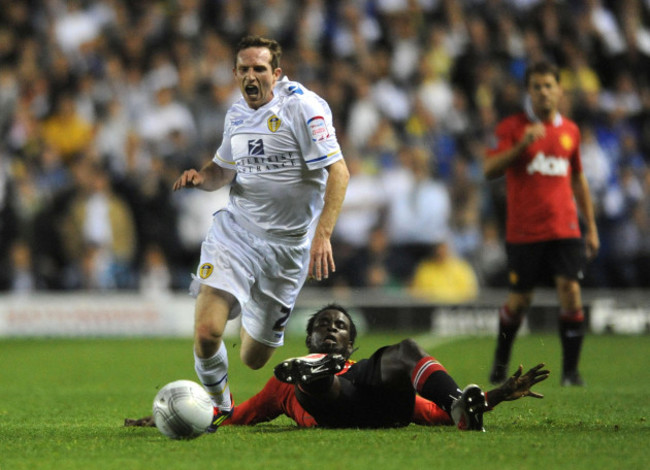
{"x": 66, "y": 131}
{"x": 9, "y": 228}
{"x": 168, "y": 128}
{"x": 155, "y": 275}
{"x": 274, "y": 18}
{"x": 404, "y": 36}
{"x": 364, "y": 116}
{"x": 353, "y": 32}
{"x": 311, "y": 23}
{"x": 444, "y": 277}
{"x": 391, "y": 98}
{"x": 641, "y": 217}
{"x": 98, "y": 234}
{"x": 22, "y": 276}
{"x": 114, "y": 131}
{"x": 376, "y": 273}
{"x": 464, "y": 196}
{"x": 491, "y": 260}
{"x": 434, "y": 92}
{"x": 360, "y": 215}
{"x": 418, "y": 211}
{"x": 210, "y": 113}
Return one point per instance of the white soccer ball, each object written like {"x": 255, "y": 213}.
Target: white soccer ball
{"x": 182, "y": 410}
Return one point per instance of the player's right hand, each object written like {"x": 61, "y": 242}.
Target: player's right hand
{"x": 189, "y": 179}
{"x": 533, "y": 132}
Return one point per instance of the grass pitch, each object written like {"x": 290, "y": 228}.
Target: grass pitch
{"x": 63, "y": 402}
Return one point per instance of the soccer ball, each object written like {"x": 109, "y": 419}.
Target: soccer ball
{"x": 182, "y": 410}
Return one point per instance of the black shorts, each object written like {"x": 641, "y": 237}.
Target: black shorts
{"x": 532, "y": 264}
{"x": 364, "y": 401}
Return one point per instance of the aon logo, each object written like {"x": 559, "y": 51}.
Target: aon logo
{"x": 551, "y": 166}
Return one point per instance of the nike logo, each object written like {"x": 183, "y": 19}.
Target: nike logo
{"x": 318, "y": 369}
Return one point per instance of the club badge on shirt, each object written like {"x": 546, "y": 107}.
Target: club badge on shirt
{"x": 273, "y": 123}
{"x": 566, "y": 141}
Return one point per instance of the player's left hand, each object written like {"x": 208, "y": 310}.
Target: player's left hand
{"x": 146, "y": 422}
{"x": 321, "y": 261}
{"x": 518, "y": 385}
{"x": 592, "y": 244}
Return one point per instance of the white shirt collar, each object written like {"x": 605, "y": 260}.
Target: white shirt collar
{"x": 528, "y": 108}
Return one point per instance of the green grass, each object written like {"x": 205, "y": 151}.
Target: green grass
{"x": 63, "y": 402}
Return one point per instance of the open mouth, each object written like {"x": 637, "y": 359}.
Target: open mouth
{"x": 330, "y": 339}
{"x": 251, "y": 90}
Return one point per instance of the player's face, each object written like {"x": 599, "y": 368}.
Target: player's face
{"x": 331, "y": 334}
{"x": 545, "y": 93}
{"x": 255, "y": 76}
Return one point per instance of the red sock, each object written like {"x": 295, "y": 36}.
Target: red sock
{"x": 431, "y": 380}
{"x": 423, "y": 369}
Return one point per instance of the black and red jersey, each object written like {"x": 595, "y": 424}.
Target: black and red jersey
{"x": 278, "y": 398}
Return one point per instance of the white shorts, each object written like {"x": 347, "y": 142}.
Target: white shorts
{"x": 265, "y": 275}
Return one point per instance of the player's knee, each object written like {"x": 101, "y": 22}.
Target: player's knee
{"x": 205, "y": 344}
{"x": 252, "y": 361}
{"x": 410, "y": 351}
{"x": 517, "y": 305}
{"x": 569, "y": 288}
{"x": 207, "y": 337}
{"x": 207, "y": 330}
{"x": 255, "y": 355}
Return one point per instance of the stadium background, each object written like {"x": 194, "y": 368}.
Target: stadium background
{"x": 103, "y": 103}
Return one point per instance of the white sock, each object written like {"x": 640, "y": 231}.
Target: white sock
{"x": 213, "y": 374}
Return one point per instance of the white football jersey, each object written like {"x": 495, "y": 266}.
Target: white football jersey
{"x": 280, "y": 152}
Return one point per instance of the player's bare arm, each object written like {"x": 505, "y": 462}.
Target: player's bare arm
{"x": 496, "y": 165}
{"x": 210, "y": 178}
{"x": 321, "y": 262}
{"x": 518, "y": 385}
{"x": 583, "y": 199}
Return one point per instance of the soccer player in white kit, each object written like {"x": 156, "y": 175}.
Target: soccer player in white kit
{"x": 288, "y": 179}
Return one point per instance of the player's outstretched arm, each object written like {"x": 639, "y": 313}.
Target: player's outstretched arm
{"x": 518, "y": 385}
{"x": 210, "y": 178}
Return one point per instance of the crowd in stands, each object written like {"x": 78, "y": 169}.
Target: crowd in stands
{"x": 104, "y": 102}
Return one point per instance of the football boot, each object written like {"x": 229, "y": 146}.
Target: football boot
{"x": 467, "y": 410}
{"x": 305, "y": 369}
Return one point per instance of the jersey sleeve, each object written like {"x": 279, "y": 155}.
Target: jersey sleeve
{"x": 223, "y": 155}
{"x": 275, "y": 399}
{"x": 314, "y": 130}
{"x": 504, "y": 138}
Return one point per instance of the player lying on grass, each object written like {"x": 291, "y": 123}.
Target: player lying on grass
{"x": 398, "y": 385}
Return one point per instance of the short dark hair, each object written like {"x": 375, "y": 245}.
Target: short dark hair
{"x": 258, "y": 41}
{"x": 543, "y": 68}
{"x": 333, "y": 306}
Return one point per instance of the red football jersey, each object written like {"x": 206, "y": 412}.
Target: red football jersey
{"x": 540, "y": 203}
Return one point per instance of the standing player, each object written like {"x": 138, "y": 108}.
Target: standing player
{"x": 538, "y": 150}
{"x": 288, "y": 180}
